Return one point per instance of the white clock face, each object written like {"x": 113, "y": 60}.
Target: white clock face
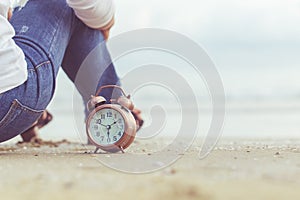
{"x": 106, "y": 126}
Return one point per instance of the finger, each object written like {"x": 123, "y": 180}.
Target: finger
{"x": 9, "y": 14}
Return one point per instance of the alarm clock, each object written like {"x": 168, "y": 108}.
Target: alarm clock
{"x": 110, "y": 125}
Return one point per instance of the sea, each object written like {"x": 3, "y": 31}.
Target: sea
{"x": 259, "y": 103}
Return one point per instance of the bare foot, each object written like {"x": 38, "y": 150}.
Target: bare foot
{"x": 33, "y": 132}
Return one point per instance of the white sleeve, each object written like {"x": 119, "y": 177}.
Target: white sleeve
{"x": 13, "y": 70}
{"x": 4, "y": 5}
{"x": 94, "y": 13}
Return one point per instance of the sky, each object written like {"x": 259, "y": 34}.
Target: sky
{"x": 219, "y": 25}
{"x": 254, "y": 43}
{"x": 232, "y": 22}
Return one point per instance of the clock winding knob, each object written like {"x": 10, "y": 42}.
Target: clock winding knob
{"x": 125, "y": 102}
{"x": 95, "y": 101}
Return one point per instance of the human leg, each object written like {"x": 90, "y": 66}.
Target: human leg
{"x": 43, "y": 30}
{"x": 87, "y": 62}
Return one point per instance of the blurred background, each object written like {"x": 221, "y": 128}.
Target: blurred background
{"x": 255, "y": 46}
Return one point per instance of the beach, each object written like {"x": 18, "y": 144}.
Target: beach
{"x": 257, "y": 157}
{"x": 247, "y": 50}
{"x": 236, "y": 169}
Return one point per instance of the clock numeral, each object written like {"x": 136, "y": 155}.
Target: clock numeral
{"x": 108, "y": 140}
{"x": 102, "y": 116}
{"x": 98, "y": 134}
{"x": 109, "y": 114}
{"x": 102, "y": 138}
{"x": 96, "y": 127}
{"x": 115, "y": 116}
{"x": 119, "y": 134}
{"x": 98, "y": 121}
{"x": 115, "y": 138}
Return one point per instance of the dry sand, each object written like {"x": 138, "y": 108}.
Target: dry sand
{"x": 236, "y": 169}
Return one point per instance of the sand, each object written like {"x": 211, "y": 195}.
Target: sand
{"x": 236, "y": 169}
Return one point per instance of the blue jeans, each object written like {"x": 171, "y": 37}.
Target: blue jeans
{"x": 51, "y": 36}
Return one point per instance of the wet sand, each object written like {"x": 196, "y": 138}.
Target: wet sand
{"x": 236, "y": 169}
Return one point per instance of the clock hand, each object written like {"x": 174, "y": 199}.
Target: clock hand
{"x": 99, "y": 122}
{"x": 113, "y": 123}
{"x": 108, "y": 138}
{"x": 103, "y": 125}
